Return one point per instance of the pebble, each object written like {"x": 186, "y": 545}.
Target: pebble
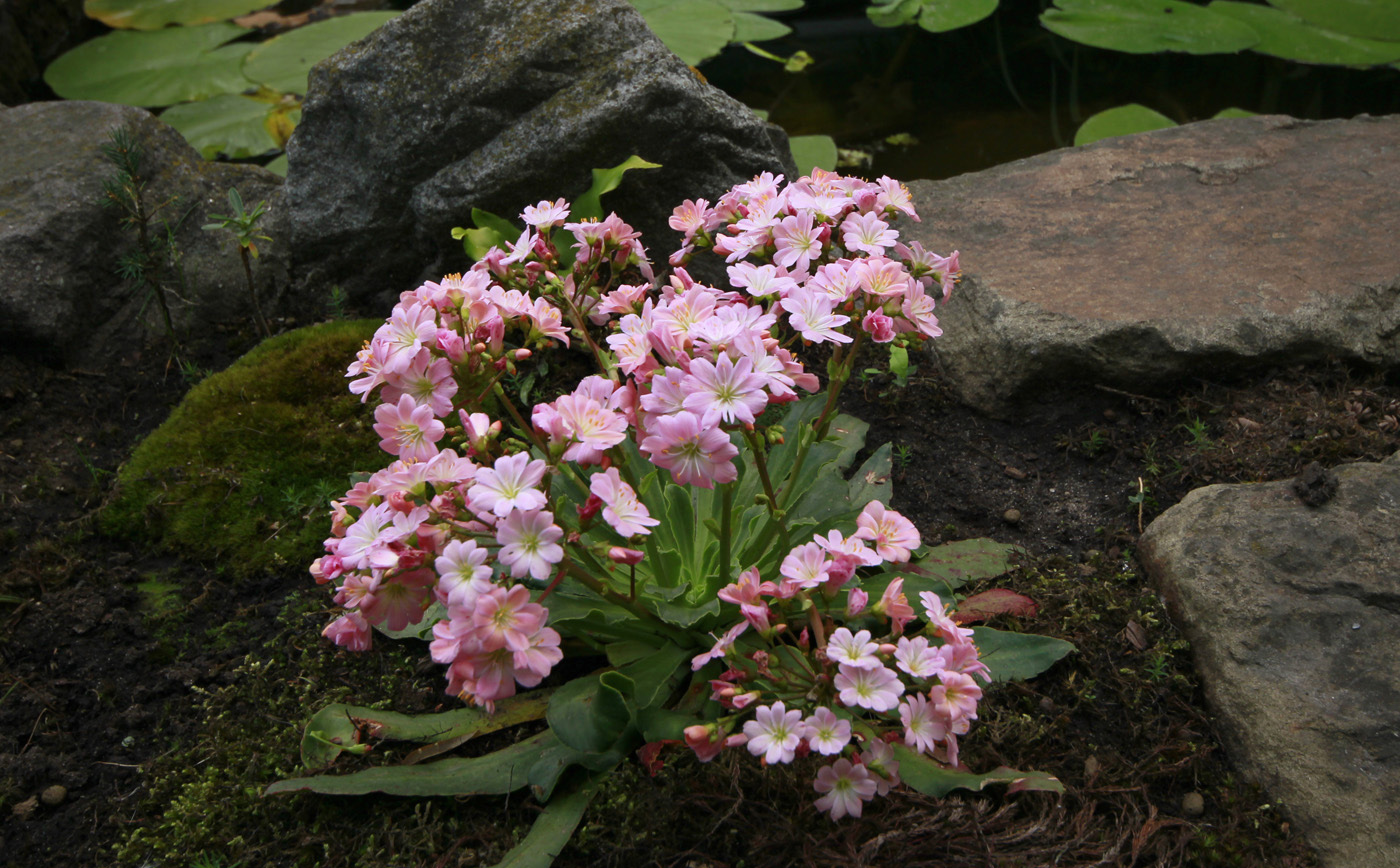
{"x": 1014, "y": 472}
{"x": 1193, "y": 804}
{"x": 1091, "y": 768}
{"x": 54, "y": 795}
{"x": 1011, "y": 516}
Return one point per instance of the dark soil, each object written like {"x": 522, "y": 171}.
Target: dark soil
{"x": 102, "y": 688}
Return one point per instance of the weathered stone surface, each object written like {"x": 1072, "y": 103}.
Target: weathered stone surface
{"x": 1138, "y": 260}
{"x": 60, "y": 295}
{"x": 496, "y": 104}
{"x": 1293, "y": 614}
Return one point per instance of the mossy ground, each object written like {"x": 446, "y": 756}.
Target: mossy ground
{"x": 242, "y": 471}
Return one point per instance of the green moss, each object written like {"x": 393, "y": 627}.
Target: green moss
{"x": 242, "y": 470}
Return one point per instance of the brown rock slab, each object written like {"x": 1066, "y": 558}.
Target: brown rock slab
{"x": 1293, "y": 614}
{"x": 1141, "y": 259}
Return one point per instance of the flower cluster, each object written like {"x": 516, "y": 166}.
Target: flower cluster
{"x": 471, "y": 527}
{"x": 869, "y": 677}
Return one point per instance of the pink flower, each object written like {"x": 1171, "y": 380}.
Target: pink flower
{"x": 427, "y": 380}
{"x": 546, "y": 215}
{"x": 956, "y": 697}
{"x": 922, "y": 727}
{"x": 627, "y": 515}
{"x": 847, "y": 787}
{"x": 797, "y": 242}
{"x": 774, "y": 733}
{"x": 878, "y": 326}
{"x": 349, "y": 631}
{"x": 877, "y": 689}
{"x": 727, "y": 389}
{"x": 895, "y": 606}
{"x": 721, "y": 647}
{"x": 857, "y": 651}
{"x": 811, "y": 314}
{"x": 915, "y": 657}
{"x": 509, "y": 485}
{"x": 894, "y": 535}
{"x": 506, "y": 618}
{"x": 529, "y": 543}
{"x": 867, "y": 233}
{"x": 695, "y": 454}
{"x": 825, "y": 732}
{"x": 409, "y": 430}
{"x": 400, "y": 601}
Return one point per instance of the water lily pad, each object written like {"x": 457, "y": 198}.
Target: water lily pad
{"x": 1148, "y": 26}
{"x": 153, "y": 68}
{"x": 749, "y": 27}
{"x": 1368, "y": 19}
{"x": 1233, "y": 112}
{"x": 155, "y": 14}
{"x": 936, "y": 16}
{"x": 695, "y": 30}
{"x": 283, "y": 62}
{"x": 810, "y": 151}
{"x": 233, "y": 125}
{"x": 278, "y": 166}
{"x": 1123, "y": 120}
{"x": 1291, "y": 38}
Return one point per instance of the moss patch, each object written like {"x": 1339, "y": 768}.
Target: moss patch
{"x": 242, "y": 470}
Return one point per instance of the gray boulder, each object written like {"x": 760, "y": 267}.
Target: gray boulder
{"x": 60, "y": 296}
{"x": 1293, "y": 614}
{"x": 1143, "y": 259}
{"x": 497, "y": 104}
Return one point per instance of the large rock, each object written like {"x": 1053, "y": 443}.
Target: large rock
{"x": 60, "y": 295}
{"x": 1293, "y": 614}
{"x": 496, "y": 104}
{"x": 1142, "y": 259}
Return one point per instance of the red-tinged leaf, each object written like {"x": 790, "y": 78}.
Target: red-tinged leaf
{"x": 997, "y": 601}
{"x": 649, "y": 755}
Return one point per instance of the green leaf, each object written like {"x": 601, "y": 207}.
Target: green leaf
{"x": 154, "y": 68}
{"x": 936, "y": 16}
{"x": 283, "y": 62}
{"x": 232, "y": 125}
{"x": 934, "y": 779}
{"x": 695, "y": 30}
{"x": 749, "y": 27}
{"x": 1017, "y": 656}
{"x": 589, "y": 205}
{"x": 1147, "y": 26}
{"x": 590, "y": 713}
{"x": 1291, "y": 38}
{"x": 502, "y": 771}
{"x": 944, "y": 569}
{"x": 1368, "y": 19}
{"x": 810, "y": 152}
{"x": 554, "y": 826}
{"x": 338, "y": 725}
{"x": 763, "y": 5}
{"x": 278, "y": 166}
{"x": 155, "y": 14}
{"x": 1124, "y": 120}
{"x": 655, "y": 676}
{"x": 1233, "y": 113}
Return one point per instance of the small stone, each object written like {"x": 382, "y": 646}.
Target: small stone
{"x": 1011, "y": 516}
{"x": 1014, "y": 472}
{"x": 25, "y": 808}
{"x": 1193, "y": 804}
{"x": 1047, "y": 705}
{"x": 17, "y": 444}
{"x": 54, "y": 795}
{"x": 1091, "y": 768}
{"x": 1110, "y": 414}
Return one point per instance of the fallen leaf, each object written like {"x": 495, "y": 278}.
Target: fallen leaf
{"x": 997, "y": 601}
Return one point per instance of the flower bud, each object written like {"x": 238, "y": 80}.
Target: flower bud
{"x": 620, "y": 555}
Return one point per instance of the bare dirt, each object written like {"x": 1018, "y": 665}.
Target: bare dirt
{"x": 98, "y": 692}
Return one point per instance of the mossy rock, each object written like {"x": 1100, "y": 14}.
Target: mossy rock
{"x": 242, "y": 471}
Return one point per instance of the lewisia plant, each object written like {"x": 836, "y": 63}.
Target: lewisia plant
{"x": 685, "y": 510}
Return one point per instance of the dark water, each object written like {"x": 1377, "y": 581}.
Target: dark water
{"x": 1007, "y": 88}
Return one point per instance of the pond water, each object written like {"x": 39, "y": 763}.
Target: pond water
{"x": 1006, "y": 88}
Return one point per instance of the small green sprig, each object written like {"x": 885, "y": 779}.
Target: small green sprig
{"x": 244, "y": 224}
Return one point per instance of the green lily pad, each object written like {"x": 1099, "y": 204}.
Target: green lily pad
{"x": 695, "y": 30}
{"x": 233, "y": 125}
{"x": 812, "y": 151}
{"x": 1233, "y": 112}
{"x": 1291, "y": 38}
{"x": 749, "y": 27}
{"x": 1148, "y": 26}
{"x": 1368, "y": 19}
{"x": 283, "y": 62}
{"x": 155, "y": 14}
{"x": 1123, "y": 120}
{"x": 278, "y": 166}
{"x": 936, "y": 16}
{"x": 153, "y": 68}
